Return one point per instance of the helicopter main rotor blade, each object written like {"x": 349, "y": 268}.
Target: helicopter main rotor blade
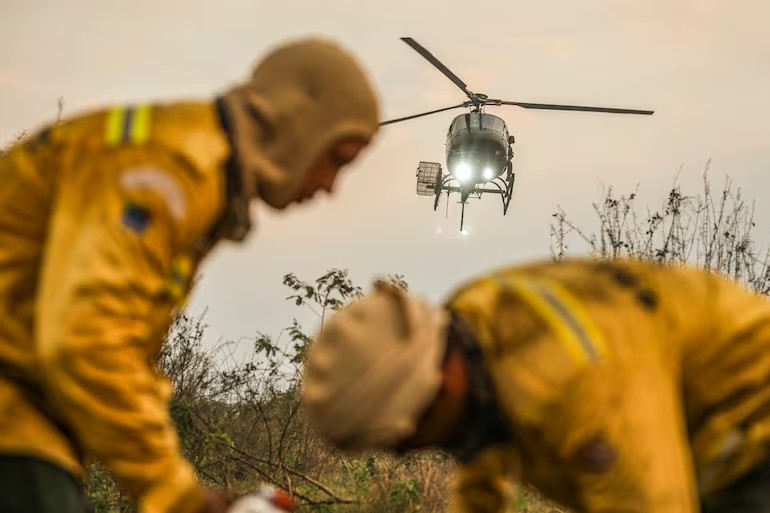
{"x": 420, "y": 115}
{"x": 546, "y": 106}
{"x": 443, "y": 69}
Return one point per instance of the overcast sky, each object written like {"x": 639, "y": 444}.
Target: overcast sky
{"x": 702, "y": 65}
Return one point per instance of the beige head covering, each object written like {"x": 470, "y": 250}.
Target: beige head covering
{"x": 302, "y": 97}
{"x": 374, "y": 369}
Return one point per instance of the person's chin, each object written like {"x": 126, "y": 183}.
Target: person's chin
{"x": 297, "y": 202}
{"x": 283, "y": 205}
{"x": 304, "y": 199}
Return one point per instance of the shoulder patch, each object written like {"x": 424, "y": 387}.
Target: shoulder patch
{"x": 180, "y": 280}
{"x": 136, "y": 217}
{"x": 159, "y": 181}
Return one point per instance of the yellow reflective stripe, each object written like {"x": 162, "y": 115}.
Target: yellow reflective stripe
{"x": 139, "y": 130}
{"x": 128, "y": 124}
{"x": 114, "y": 128}
{"x": 182, "y": 268}
{"x": 564, "y": 313}
{"x": 181, "y": 272}
{"x": 177, "y": 291}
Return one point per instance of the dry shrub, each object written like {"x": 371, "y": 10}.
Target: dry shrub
{"x": 713, "y": 231}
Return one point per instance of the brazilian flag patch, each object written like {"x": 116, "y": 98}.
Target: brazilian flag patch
{"x": 136, "y": 217}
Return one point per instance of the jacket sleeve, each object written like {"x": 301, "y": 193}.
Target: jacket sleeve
{"x": 489, "y": 483}
{"x": 103, "y": 306}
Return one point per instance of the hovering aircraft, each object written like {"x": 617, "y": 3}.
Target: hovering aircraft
{"x": 479, "y": 149}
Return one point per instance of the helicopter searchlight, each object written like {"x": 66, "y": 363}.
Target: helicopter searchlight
{"x": 477, "y": 141}
{"x": 463, "y": 172}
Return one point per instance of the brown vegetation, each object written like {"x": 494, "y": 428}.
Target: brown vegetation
{"x": 715, "y": 232}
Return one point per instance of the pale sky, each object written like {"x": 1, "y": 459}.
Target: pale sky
{"x": 702, "y": 65}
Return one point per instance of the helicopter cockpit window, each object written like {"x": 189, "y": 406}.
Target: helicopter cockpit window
{"x": 458, "y": 125}
{"x": 493, "y": 123}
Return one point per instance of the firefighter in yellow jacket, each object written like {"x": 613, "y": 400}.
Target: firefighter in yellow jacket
{"x": 103, "y": 221}
{"x": 618, "y": 386}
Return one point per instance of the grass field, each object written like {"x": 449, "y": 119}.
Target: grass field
{"x": 372, "y": 484}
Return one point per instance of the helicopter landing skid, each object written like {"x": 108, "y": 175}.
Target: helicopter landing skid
{"x": 504, "y": 189}
{"x": 442, "y": 183}
{"x": 508, "y": 186}
{"x": 508, "y": 194}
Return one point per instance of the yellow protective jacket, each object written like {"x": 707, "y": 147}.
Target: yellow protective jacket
{"x": 623, "y": 386}
{"x": 103, "y": 220}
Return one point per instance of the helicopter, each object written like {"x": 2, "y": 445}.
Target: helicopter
{"x": 479, "y": 147}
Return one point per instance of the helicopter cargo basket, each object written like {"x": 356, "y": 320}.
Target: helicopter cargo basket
{"x": 428, "y": 178}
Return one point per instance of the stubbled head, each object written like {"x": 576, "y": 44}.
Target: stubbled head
{"x": 307, "y": 111}
{"x": 375, "y": 369}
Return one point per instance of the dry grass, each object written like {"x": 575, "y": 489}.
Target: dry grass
{"x": 377, "y": 483}
{"x": 385, "y": 484}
